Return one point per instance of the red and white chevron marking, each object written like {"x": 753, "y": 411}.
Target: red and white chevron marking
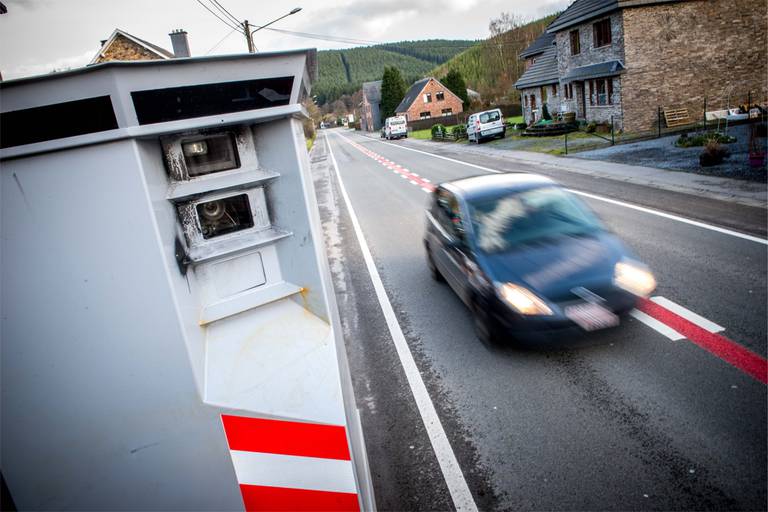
{"x": 286, "y": 465}
{"x": 412, "y": 177}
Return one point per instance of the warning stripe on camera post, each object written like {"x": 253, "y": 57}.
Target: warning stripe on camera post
{"x": 286, "y": 465}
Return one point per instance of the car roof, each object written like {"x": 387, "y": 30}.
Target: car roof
{"x": 490, "y": 185}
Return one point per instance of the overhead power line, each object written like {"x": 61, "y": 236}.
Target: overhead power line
{"x": 226, "y": 22}
{"x": 224, "y": 11}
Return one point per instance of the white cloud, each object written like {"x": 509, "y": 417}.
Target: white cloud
{"x": 60, "y": 64}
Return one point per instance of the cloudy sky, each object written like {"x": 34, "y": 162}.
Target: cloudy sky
{"x": 37, "y": 36}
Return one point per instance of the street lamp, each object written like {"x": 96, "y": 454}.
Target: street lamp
{"x": 249, "y": 32}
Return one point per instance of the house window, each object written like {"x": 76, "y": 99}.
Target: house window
{"x": 554, "y": 90}
{"x": 427, "y": 98}
{"x": 447, "y": 111}
{"x": 439, "y": 96}
{"x": 602, "y": 32}
{"x": 425, "y": 115}
{"x": 575, "y": 47}
{"x": 568, "y": 91}
{"x": 533, "y": 102}
{"x": 526, "y": 101}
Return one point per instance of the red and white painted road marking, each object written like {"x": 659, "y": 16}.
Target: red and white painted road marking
{"x": 703, "y": 332}
{"x": 286, "y": 465}
{"x": 412, "y": 177}
{"x": 661, "y": 314}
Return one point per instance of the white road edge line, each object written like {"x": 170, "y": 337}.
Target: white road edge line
{"x": 689, "y": 315}
{"x": 454, "y": 478}
{"x": 601, "y": 198}
{"x": 654, "y": 324}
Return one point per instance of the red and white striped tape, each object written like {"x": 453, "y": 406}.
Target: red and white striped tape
{"x": 286, "y": 465}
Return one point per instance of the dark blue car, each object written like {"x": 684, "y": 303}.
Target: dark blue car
{"x": 529, "y": 258}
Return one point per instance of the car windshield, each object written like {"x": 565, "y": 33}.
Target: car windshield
{"x": 503, "y": 222}
{"x": 489, "y": 117}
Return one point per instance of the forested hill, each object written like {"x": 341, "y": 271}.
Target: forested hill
{"x": 492, "y": 66}
{"x": 343, "y": 71}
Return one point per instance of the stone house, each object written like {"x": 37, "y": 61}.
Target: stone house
{"x": 370, "y": 114}
{"x": 623, "y": 59}
{"x": 428, "y": 98}
{"x": 123, "y": 46}
{"x": 540, "y": 84}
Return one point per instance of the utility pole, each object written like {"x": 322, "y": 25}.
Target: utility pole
{"x": 248, "y": 37}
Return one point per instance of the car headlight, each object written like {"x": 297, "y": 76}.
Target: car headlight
{"x": 634, "y": 278}
{"x": 523, "y": 300}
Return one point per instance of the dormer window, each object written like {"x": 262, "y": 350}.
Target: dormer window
{"x": 602, "y": 32}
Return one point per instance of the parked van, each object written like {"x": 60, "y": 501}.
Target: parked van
{"x": 486, "y": 125}
{"x": 395, "y": 128}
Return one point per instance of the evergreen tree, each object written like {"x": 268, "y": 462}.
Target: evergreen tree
{"x": 392, "y": 91}
{"x": 455, "y": 83}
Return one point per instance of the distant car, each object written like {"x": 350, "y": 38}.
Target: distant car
{"x": 486, "y": 125}
{"x": 529, "y": 258}
{"x": 395, "y": 128}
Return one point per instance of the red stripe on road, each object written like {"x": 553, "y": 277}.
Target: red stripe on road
{"x": 286, "y": 437}
{"x": 727, "y": 350}
{"x": 257, "y": 497}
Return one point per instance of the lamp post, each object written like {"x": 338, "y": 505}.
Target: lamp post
{"x": 249, "y": 32}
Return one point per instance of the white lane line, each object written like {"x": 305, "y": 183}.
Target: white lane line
{"x": 650, "y": 211}
{"x": 689, "y": 315}
{"x": 425, "y": 189}
{"x": 454, "y": 478}
{"x": 413, "y": 182}
{"x": 656, "y": 325}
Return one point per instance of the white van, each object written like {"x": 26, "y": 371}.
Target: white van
{"x": 486, "y": 125}
{"x": 395, "y": 128}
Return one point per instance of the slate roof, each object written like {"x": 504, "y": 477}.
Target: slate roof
{"x": 542, "y": 72}
{"x": 581, "y": 11}
{"x": 372, "y": 91}
{"x": 610, "y": 68}
{"x": 411, "y": 94}
{"x": 541, "y": 43}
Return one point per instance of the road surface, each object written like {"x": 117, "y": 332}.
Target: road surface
{"x": 665, "y": 412}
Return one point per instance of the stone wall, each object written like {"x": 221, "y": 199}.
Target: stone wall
{"x": 681, "y": 53}
{"x": 553, "y": 102}
{"x": 123, "y": 48}
{"x": 589, "y": 54}
{"x": 434, "y": 107}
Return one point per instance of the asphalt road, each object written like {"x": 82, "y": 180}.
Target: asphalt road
{"x": 623, "y": 419}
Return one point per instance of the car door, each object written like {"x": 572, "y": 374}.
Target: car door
{"x": 450, "y": 254}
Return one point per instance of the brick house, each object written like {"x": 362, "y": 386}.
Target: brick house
{"x": 123, "y": 46}
{"x": 625, "y": 58}
{"x": 370, "y": 115}
{"x": 428, "y": 98}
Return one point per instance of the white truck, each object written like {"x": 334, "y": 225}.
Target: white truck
{"x": 395, "y": 128}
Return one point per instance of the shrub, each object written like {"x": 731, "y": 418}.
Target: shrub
{"x": 521, "y": 126}
{"x": 713, "y": 153}
{"x": 460, "y": 131}
{"x": 701, "y": 139}
{"x": 545, "y": 113}
{"x": 591, "y": 127}
{"x": 438, "y": 130}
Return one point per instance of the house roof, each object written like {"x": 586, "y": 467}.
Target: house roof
{"x": 160, "y": 52}
{"x": 581, "y": 11}
{"x": 372, "y": 91}
{"x": 609, "y": 68}
{"x": 584, "y": 10}
{"x": 541, "y": 43}
{"x": 411, "y": 94}
{"x": 542, "y": 72}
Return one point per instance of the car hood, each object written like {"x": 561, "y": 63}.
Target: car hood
{"x": 553, "y": 267}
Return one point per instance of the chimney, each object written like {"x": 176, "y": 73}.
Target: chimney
{"x": 180, "y": 43}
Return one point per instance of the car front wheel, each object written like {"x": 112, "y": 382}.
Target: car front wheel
{"x": 433, "y": 271}
{"x": 486, "y": 327}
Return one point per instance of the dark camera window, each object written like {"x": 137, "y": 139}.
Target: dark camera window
{"x": 224, "y": 216}
{"x": 210, "y": 154}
